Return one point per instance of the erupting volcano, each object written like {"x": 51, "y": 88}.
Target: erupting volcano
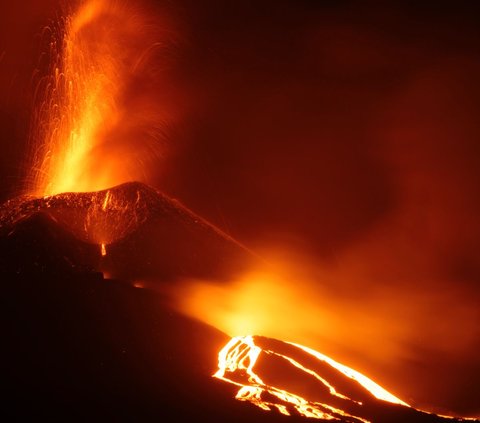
{"x": 53, "y": 249}
{"x": 95, "y": 57}
{"x": 88, "y": 231}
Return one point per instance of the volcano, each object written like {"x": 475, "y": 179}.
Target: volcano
{"x": 147, "y": 235}
{"x": 82, "y": 342}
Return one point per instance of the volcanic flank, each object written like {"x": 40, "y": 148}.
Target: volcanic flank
{"x": 142, "y": 233}
{"x": 80, "y": 340}
{"x": 77, "y": 346}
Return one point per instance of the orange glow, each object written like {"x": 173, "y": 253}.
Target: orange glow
{"x": 367, "y": 383}
{"x": 85, "y": 141}
{"x": 280, "y": 304}
{"x": 254, "y": 364}
{"x": 236, "y": 365}
{"x": 293, "y": 301}
{"x": 85, "y": 138}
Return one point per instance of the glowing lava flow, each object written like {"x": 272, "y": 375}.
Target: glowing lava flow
{"x": 237, "y": 362}
{"x": 376, "y": 390}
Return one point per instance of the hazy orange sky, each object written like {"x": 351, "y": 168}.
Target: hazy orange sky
{"x": 345, "y": 133}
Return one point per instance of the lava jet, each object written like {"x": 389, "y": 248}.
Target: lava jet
{"x": 89, "y": 258}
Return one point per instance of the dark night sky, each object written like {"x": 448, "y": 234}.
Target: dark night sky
{"x": 344, "y": 131}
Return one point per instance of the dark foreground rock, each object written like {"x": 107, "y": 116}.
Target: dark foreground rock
{"x": 79, "y": 347}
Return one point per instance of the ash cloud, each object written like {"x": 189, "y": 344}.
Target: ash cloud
{"x": 347, "y": 134}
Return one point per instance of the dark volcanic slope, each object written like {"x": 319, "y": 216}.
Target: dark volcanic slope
{"x": 146, "y": 234}
{"x": 78, "y": 347}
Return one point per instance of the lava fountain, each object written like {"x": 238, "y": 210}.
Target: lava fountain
{"x": 94, "y": 128}
{"x": 92, "y": 98}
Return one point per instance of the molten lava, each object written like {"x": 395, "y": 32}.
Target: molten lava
{"x": 237, "y": 361}
{"x": 87, "y": 142}
{"x": 297, "y": 380}
{"x": 98, "y": 52}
